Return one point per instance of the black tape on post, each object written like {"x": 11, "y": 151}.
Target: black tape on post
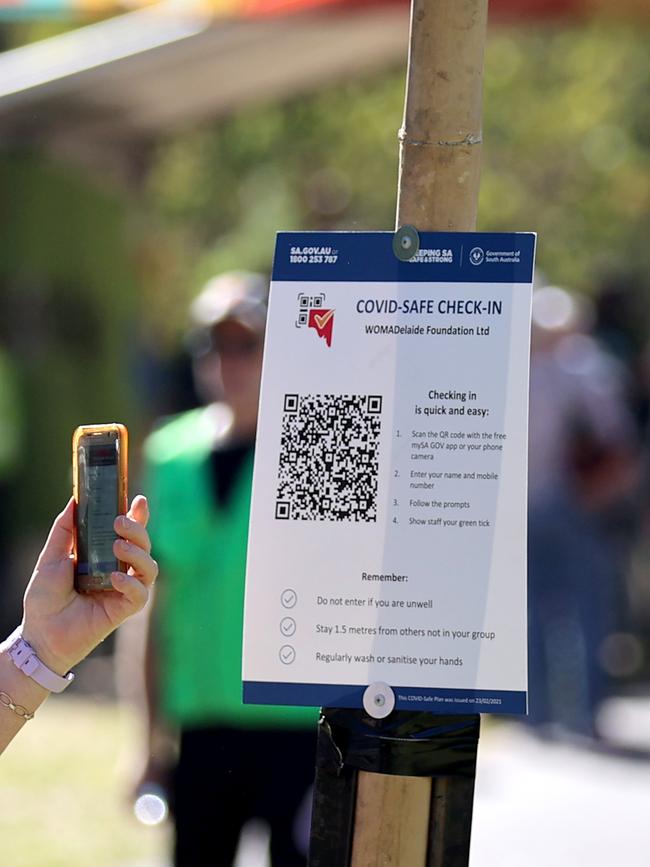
{"x": 404, "y": 744}
{"x": 335, "y": 792}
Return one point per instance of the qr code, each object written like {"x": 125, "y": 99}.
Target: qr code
{"x": 329, "y": 458}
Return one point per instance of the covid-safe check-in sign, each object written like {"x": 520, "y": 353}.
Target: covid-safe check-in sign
{"x": 388, "y": 527}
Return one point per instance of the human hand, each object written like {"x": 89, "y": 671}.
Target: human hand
{"x": 63, "y": 626}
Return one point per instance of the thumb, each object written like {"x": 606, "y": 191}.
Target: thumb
{"x": 60, "y": 540}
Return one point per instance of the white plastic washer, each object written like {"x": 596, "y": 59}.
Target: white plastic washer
{"x": 378, "y": 700}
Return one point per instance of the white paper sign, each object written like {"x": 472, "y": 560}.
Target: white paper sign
{"x": 388, "y": 522}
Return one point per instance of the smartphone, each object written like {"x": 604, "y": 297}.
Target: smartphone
{"x": 100, "y": 471}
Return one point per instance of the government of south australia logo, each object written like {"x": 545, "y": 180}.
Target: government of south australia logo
{"x": 312, "y": 313}
{"x": 476, "y": 255}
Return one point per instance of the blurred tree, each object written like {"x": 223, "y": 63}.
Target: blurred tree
{"x": 566, "y": 153}
{"x": 68, "y": 294}
{"x": 13, "y": 34}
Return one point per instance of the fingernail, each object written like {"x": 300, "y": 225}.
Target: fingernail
{"x": 119, "y": 577}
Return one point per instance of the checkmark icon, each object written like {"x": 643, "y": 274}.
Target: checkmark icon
{"x": 323, "y": 319}
{"x": 288, "y": 626}
{"x": 287, "y": 654}
{"x": 288, "y": 598}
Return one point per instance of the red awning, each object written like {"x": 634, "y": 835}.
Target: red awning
{"x": 514, "y": 9}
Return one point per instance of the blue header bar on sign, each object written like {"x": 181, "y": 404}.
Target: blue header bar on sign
{"x": 453, "y": 257}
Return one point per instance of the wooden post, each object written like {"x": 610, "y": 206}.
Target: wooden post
{"x": 440, "y": 140}
{"x": 362, "y": 818}
{"x": 392, "y": 821}
{"x": 416, "y": 821}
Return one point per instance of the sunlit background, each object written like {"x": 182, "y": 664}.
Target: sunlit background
{"x": 143, "y": 150}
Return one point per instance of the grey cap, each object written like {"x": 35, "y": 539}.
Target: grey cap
{"x": 237, "y": 295}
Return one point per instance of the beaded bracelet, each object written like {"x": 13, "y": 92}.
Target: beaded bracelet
{"x": 19, "y": 710}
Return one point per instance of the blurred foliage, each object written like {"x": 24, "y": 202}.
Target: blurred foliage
{"x": 566, "y": 154}
{"x": 14, "y": 34}
{"x": 567, "y": 148}
{"x": 67, "y": 290}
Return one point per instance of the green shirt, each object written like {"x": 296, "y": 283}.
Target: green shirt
{"x": 201, "y": 548}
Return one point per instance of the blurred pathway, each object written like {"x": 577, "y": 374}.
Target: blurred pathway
{"x": 544, "y": 804}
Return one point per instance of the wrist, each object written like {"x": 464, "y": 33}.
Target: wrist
{"x": 22, "y": 689}
{"x": 58, "y": 663}
{"x": 26, "y": 660}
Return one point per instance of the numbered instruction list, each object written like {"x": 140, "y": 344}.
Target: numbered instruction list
{"x": 388, "y": 523}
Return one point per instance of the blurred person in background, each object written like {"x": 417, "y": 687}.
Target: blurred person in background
{"x": 582, "y": 458}
{"x": 621, "y": 325}
{"x": 60, "y": 626}
{"x": 235, "y": 762}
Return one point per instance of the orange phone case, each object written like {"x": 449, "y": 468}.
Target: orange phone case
{"x": 86, "y": 583}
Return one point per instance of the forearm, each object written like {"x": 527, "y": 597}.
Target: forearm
{"x": 22, "y": 692}
{"x": 60, "y": 626}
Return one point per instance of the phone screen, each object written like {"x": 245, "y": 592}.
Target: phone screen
{"x": 98, "y": 504}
